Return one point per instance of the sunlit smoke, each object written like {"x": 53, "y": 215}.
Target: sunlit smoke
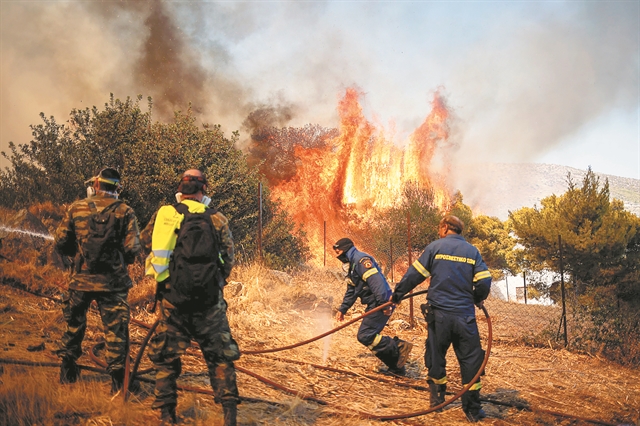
{"x": 324, "y": 323}
{"x": 550, "y": 63}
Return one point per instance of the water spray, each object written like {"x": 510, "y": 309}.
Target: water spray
{"x": 29, "y": 233}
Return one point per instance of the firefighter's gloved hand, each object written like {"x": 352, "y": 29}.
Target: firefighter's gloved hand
{"x": 395, "y": 298}
{"x": 427, "y": 312}
{"x": 388, "y": 310}
{"x": 339, "y": 316}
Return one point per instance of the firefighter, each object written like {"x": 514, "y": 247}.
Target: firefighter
{"x": 365, "y": 281}
{"x": 105, "y": 280}
{"x": 186, "y": 313}
{"x": 459, "y": 280}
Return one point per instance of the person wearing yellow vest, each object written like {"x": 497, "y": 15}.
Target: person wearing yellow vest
{"x": 204, "y": 317}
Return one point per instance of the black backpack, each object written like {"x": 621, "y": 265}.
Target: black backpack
{"x": 194, "y": 265}
{"x": 102, "y": 248}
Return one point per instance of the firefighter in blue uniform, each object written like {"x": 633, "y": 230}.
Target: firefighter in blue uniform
{"x": 459, "y": 280}
{"x": 365, "y": 281}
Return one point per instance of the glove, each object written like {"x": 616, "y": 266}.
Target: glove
{"x": 395, "y": 298}
{"x": 427, "y": 312}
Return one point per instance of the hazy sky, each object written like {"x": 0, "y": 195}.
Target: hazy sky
{"x": 553, "y": 82}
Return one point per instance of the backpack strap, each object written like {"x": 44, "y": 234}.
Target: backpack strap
{"x": 184, "y": 209}
{"x": 112, "y": 206}
{"x": 181, "y": 208}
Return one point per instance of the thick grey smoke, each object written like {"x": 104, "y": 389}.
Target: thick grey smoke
{"x": 59, "y": 56}
{"x": 522, "y": 77}
{"x": 548, "y": 78}
{"x": 552, "y": 78}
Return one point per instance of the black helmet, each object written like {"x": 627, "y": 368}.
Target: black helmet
{"x": 343, "y": 244}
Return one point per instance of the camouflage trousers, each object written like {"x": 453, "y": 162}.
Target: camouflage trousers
{"x": 210, "y": 329}
{"x": 114, "y": 312}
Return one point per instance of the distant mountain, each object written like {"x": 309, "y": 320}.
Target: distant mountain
{"x": 495, "y": 189}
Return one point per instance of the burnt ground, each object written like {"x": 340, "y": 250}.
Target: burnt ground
{"x": 527, "y": 384}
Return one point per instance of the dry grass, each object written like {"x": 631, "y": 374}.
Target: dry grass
{"x": 32, "y": 397}
{"x": 270, "y": 309}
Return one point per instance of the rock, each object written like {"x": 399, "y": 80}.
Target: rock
{"x": 283, "y": 277}
{"x": 36, "y": 348}
{"x": 233, "y": 288}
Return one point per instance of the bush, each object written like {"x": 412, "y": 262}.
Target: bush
{"x": 604, "y": 326}
{"x": 151, "y": 156}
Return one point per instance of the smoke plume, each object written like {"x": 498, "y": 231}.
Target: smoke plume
{"x": 523, "y": 78}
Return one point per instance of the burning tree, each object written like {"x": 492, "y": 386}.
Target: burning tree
{"x": 353, "y": 178}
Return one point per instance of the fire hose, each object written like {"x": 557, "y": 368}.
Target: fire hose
{"x": 275, "y": 403}
{"x": 464, "y": 389}
{"x": 138, "y": 374}
{"x": 370, "y": 416}
{"x": 346, "y": 324}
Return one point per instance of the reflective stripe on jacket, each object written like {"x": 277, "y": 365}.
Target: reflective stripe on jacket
{"x": 368, "y": 282}
{"x": 164, "y": 238}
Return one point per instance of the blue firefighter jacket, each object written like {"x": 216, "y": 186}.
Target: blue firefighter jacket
{"x": 366, "y": 282}
{"x": 459, "y": 276}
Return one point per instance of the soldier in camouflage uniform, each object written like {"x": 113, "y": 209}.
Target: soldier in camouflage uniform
{"x": 207, "y": 325}
{"x": 108, "y": 289}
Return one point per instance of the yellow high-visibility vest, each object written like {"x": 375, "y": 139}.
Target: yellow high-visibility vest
{"x": 164, "y": 237}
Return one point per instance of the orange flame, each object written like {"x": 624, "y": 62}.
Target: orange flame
{"x": 360, "y": 170}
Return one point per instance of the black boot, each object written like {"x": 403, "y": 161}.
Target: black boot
{"x": 117, "y": 380}
{"x": 437, "y": 393}
{"x": 389, "y": 356}
{"x": 230, "y": 410}
{"x": 69, "y": 371}
{"x": 168, "y": 415}
{"x": 472, "y": 407}
{"x": 404, "y": 349}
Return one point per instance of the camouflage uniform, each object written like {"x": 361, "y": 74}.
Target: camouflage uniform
{"x": 209, "y": 327}
{"x": 108, "y": 290}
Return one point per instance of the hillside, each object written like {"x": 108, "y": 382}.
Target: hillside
{"x": 497, "y": 188}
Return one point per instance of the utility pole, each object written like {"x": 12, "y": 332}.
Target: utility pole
{"x": 564, "y": 306}
{"x": 260, "y": 220}
{"x": 324, "y": 243}
{"x": 410, "y": 263}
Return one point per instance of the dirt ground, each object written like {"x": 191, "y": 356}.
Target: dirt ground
{"x": 523, "y": 385}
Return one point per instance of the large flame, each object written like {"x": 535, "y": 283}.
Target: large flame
{"x": 360, "y": 170}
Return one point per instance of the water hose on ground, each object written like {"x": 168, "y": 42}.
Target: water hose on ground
{"x": 136, "y": 363}
{"x": 364, "y": 414}
{"x": 348, "y": 323}
{"x": 136, "y": 374}
{"x": 280, "y": 404}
